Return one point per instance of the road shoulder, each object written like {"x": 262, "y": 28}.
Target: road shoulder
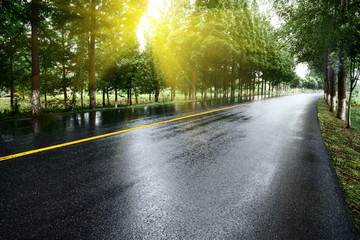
{"x": 343, "y": 145}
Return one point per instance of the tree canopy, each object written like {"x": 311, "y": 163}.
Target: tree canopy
{"x": 223, "y": 48}
{"x": 325, "y": 34}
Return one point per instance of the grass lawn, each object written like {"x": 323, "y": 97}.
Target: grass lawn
{"x": 344, "y": 147}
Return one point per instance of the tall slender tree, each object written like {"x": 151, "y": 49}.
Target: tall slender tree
{"x": 35, "y": 73}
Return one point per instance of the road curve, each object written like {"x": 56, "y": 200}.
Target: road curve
{"x": 259, "y": 171}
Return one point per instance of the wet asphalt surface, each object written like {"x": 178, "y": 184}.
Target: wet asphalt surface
{"x": 259, "y": 171}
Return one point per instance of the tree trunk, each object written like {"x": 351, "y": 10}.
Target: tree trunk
{"x": 342, "y": 88}
{"x": 265, "y": 84}
{"x": 253, "y": 87}
{"x": 250, "y": 85}
{"x": 65, "y": 98}
{"x": 45, "y": 94}
{"x": 193, "y": 85}
{"x": 103, "y": 97}
{"x": 216, "y": 83}
{"x": 240, "y": 85}
{"x": 92, "y": 84}
{"x": 224, "y": 82}
{"x": 354, "y": 77}
{"x": 205, "y": 83}
{"x": 107, "y": 96}
{"x": 35, "y": 71}
{"x": 116, "y": 98}
{"x": 136, "y": 96}
{"x": 157, "y": 92}
{"x": 45, "y": 98}
{"x": 171, "y": 93}
{"x": 232, "y": 80}
{"x": 342, "y": 69}
{"x": 73, "y": 97}
{"x": 269, "y": 91}
{"x": 11, "y": 85}
{"x": 130, "y": 95}
{"x": 348, "y": 125}
{"x": 64, "y": 83}
{"x": 247, "y": 88}
{"x": 333, "y": 90}
{"x": 328, "y": 81}
{"x": 262, "y": 86}
{"x": 174, "y": 95}
{"x": 325, "y": 91}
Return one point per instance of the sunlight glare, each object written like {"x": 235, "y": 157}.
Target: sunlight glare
{"x": 302, "y": 70}
{"x": 153, "y": 12}
{"x": 265, "y": 8}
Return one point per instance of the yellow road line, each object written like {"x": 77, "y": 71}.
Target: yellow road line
{"x": 118, "y": 132}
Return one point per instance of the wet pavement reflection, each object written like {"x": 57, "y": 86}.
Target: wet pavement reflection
{"x": 31, "y": 133}
{"x": 259, "y": 171}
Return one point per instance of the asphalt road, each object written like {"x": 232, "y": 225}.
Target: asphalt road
{"x": 258, "y": 171}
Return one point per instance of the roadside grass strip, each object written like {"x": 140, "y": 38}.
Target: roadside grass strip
{"x": 344, "y": 148}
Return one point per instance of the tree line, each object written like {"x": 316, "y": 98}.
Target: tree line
{"x": 64, "y": 44}
{"x": 221, "y": 48}
{"x": 326, "y": 34}
{"x": 225, "y": 47}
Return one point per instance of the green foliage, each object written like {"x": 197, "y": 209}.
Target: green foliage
{"x": 326, "y": 34}
{"x": 195, "y": 46}
{"x": 194, "y": 43}
{"x": 64, "y": 27}
{"x": 311, "y": 81}
{"x": 14, "y": 47}
{"x": 309, "y": 27}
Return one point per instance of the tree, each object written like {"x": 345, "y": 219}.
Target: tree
{"x": 194, "y": 47}
{"x": 351, "y": 42}
{"x": 92, "y": 84}
{"x": 35, "y": 73}
{"x": 205, "y": 45}
{"x": 13, "y": 46}
{"x": 318, "y": 42}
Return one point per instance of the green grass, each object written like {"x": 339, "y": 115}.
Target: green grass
{"x": 344, "y": 147}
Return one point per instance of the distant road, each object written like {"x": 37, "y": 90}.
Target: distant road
{"x": 252, "y": 171}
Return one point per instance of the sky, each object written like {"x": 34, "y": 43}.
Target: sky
{"x": 153, "y": 12}
{"x": 301, "y": 69}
